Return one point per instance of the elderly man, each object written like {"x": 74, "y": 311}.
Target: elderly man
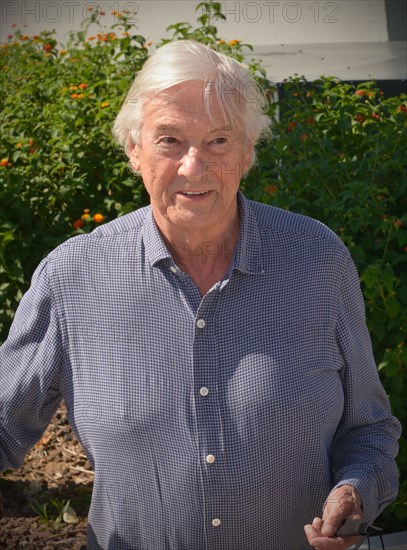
{"x": 212, "y": 352}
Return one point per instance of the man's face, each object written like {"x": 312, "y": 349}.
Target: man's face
{"x": 191, "y": 165}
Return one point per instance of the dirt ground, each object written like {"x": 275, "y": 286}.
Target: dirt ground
{"x": 55, "y": 470}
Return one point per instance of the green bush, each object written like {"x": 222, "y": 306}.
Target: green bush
{"x": 337, "y": 154}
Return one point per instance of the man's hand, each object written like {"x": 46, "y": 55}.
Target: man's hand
{"x": 343, "y": 503}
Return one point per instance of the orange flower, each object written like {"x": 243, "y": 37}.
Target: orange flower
{"x": 233, "y": 42}
{"x": 291, "y": 126}
{"x": 63, "y": 52}
{"x": 98, "y": 218}
{"x": 83, "y": 86}
{"x": 76, "y": 96}
{"x": 86, "y": 210}
{"x": 4, "y": 162}
{"x": 78, "y": 224}
{"x": 47, "y": 47}
{"x": 91, "y": 37}
{"x": 403, "y": 109}
{"x": 360, "y": 92}
{"x": 85, "y": 216}
{"x": 19, "y": 145}
{"x": 271, "y": 189}
{"x": 221, "y": 41}
{"x": 375, "y": 116}
{"x": 104, "y": 104}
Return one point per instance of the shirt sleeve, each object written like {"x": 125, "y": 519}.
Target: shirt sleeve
{"x": 365, "y": 445}
{"x": 30, "y": 360}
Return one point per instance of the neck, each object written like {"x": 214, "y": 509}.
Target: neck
{"x": 205, "y": 255}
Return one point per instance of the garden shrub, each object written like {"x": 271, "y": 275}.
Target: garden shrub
{"x": 337, "y": 153}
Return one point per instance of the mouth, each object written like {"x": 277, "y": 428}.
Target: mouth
{"x": 194, "y": 195}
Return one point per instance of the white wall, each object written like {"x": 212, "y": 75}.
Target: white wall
{"x": 254, "y": 22}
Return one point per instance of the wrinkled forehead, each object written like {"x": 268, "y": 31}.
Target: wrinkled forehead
{"x": 194, "y": 98}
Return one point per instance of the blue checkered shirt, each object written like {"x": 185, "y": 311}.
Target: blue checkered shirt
{"x": 214, "y": 423}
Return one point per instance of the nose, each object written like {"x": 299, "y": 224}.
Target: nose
{"x": 191, "y": 164}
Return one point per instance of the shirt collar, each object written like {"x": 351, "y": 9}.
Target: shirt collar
{"x": 155, "y": 247}
{"x": 247, "y": 257}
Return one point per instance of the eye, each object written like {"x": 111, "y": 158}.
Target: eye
{"x": 167, "y": 140}
{"x": 219, "y": 141}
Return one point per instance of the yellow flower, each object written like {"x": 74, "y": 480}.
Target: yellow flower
{"x": 98, "y": 218}
{"x": 104, "y": 104}
{"x": 85, "y": 216}
{"x": 233, "y": 42}
{"x": 63, "y": 52}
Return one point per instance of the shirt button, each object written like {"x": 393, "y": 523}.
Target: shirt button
{"x": 210, "y": 459}
{"x": 173, "y": 269}
{"x": 216, "y": 522}
{"x": 204, "y": 391}
{"x": 200, "y": 323}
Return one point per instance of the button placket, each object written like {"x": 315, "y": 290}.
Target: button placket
{"x": 207, "y": 409}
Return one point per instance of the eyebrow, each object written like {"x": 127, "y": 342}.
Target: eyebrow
{"x": 172, "y": 128}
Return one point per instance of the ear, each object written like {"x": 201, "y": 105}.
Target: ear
{"x": 134, "y": 157}
{"x": 248, "y": 156}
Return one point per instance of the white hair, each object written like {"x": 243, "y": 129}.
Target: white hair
{"x": 240, "y": 98}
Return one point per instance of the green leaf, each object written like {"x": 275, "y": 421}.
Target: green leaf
{"x": 393, "y": 307}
